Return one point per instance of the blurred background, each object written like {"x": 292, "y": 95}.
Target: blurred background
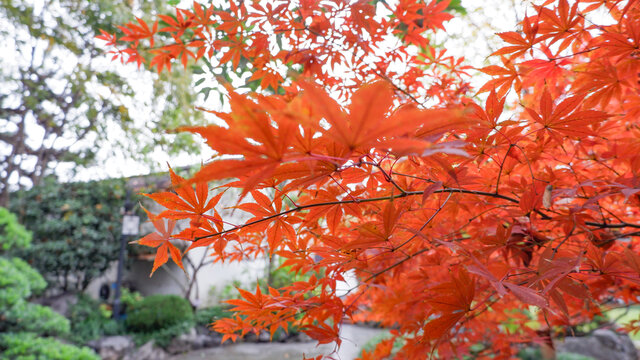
{"x": 81, "y": 137}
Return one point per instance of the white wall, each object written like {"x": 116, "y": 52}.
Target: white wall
{"x": 169, "y": 279}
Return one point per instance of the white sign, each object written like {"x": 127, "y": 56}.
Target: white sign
{"x": 130, "y": 225}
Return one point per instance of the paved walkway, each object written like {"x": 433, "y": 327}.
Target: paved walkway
{"x": 353, "y": 338}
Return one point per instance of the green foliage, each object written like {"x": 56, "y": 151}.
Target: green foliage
{"x": 130, "y": 299}
{"x": 206, "y": 316}
{"x": 22, "y": 323}
{"x": 370, "y": 345}
{"x": 35, "y": 318}
{"x": 229, "y": 291}
{"x": 456, "y": 5}
{"x": 76, "y": 228}
{"x": 374, "y": 341}
{"x": 27, "y": 346}
{"x": 18, "y": 281}
{"x": 622, "y": 317}
{"x": 158, "y": 312}
{"x": 163, "y": 336}
{"x": 90, "y": 320}
{"x": 571, "y": 356}
{"x": 58, "y": 63}
{"x": 158, "y": 317}
{"x": 12, "y": 234}
{"x": 282, "y": 276}
{"x": 36, "y": 282}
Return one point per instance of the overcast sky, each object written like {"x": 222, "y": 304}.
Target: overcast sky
{"x": 472, "y": 36}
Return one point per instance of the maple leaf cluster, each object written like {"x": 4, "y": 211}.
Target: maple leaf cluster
{"x": 459, "y": 219}
{"x": 344, "y": 43}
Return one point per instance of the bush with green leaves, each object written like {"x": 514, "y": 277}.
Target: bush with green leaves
{"x": 205, "y": 316}
{"x": 25, "y": 316}
{"x": 158, "y": 317}
{"x": 130, "y": 299}
{"x": 12, "y": 234}
{"x": 163, "y": 336}
{"x": 76, "y": 228}
{"x": 18, "y": 281}
{"x": 28, "y": 346}
{"x": 157, "y": 312}
{"x": 91, "y": 320}
{"x": 23, "y": 325}
{"x": 281, "y": 276}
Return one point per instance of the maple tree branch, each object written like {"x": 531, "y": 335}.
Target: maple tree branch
{"x": 396, "y": 264}
{"x": 416, "y": 233}
{"x": 196, "y": 269}
{"x": 397, "y": 87}
{"x": 574, "y": 54}
{"x": 502, "y": 166}
{"x": 612, "y": 214}
{"x": 346, "y": 191}
{"x": 356, "y": 201}
{"x": 612, "y": 226}
{"x": 387, "y": 176}
{"x": 425, "y": 224}
{"x": 412, "y": 176}
{"x": 173, "y": 277}
{"x": 632, "y": 233}
{"x": 402, "y": 195}
{"x": 555, "y": 249}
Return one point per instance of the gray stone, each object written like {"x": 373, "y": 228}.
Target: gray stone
{"x": 264, "y": 336}
{"x": 250, "y": 337}
{"x": 212, "y": 340}
{"x": 602, "y": 344}
{"x": 191, "y": 341}
{"x": 203, "y": 330}
{"x": 148, "y": 351}
{"x": 60, "y": 304}
{"x": 302, "y": 337}
{"x": 113, "y": 347}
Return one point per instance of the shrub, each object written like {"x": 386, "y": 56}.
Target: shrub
{"x": 89, "y": 322}
{"x": 130, "y": 299}
{"x": 36, "y": 318}
{"x": 12, "y": 234}
{"x": 76, "y": 228}
{"x": 206, "y": 316}
{"x": 163, "y": 336}
{"x": 157, "y": 312}
{"x": 27, "y": 346}
{"x": 22, "y": 323}
{"x": 17, "y": 281}
{"x": 281, "y": 276}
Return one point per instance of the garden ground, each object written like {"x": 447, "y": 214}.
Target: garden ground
{"x": 354, "y": 338}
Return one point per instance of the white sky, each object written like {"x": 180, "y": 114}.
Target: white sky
{"x": 472, "y": 36}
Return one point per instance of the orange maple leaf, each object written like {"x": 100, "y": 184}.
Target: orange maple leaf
{"x": 565, "y": 119}
{"x": 161, "y": 239}
{"x": 186, "y": 203}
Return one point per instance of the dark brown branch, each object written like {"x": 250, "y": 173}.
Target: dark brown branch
{"x": 357, "y": 201}
{"x": 402, "y": 195}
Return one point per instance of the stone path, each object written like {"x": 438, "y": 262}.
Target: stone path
{"x": 353, "y": 338}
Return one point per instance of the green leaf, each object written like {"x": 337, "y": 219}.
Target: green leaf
{"x": 197, "y": 70}
{"x": 206, "y": 62}
{"x": 206, "y": 91}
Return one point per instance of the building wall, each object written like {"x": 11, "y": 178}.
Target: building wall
{"x": 170, "y": 279}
